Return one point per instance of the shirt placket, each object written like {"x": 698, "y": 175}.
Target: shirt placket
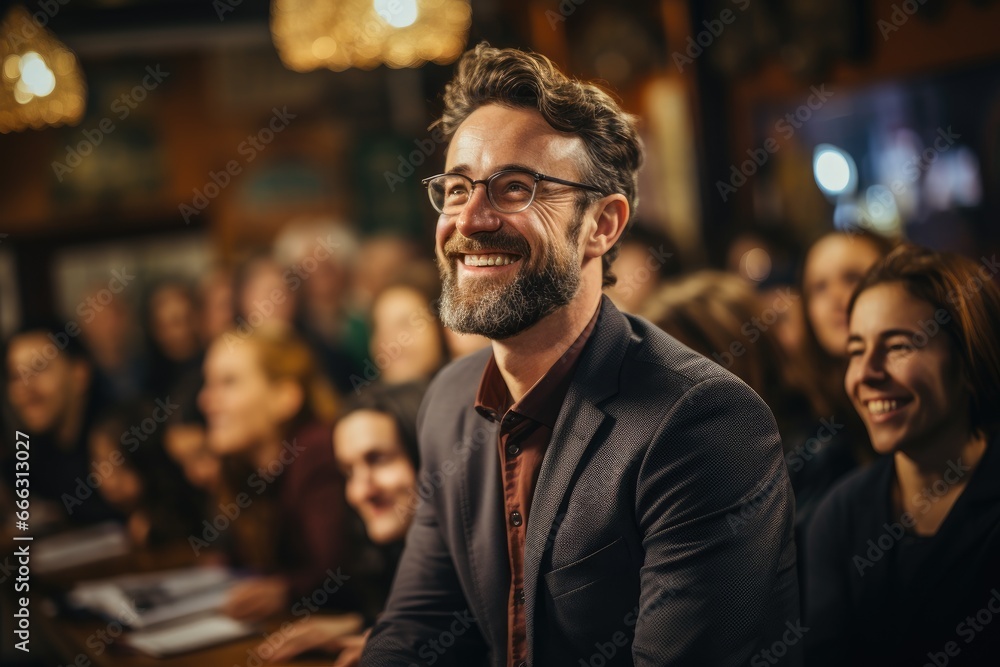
{"x": 511, "y": 435}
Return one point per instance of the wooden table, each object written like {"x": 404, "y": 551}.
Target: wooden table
{"x": 93, "y": 642}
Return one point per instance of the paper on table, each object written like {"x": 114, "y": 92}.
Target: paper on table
{"x": 188, "y": 634}
{"x": 142, "y": 600}
{"x": 79, "y": 547}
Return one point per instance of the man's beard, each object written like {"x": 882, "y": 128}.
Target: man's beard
{"x": 501, "y": 308}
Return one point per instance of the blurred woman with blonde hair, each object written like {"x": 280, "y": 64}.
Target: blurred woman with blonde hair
{"x": 269, "y": 415}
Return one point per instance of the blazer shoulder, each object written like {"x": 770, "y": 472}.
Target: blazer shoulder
{"x": 665, "y": 361}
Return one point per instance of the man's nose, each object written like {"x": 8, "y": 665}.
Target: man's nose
{"x": 478, "y": 215}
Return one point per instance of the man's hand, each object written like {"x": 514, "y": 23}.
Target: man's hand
{"x": 324, "y": 633}
{"x": 257, "y": 598}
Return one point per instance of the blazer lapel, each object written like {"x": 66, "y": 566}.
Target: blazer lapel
{"x": 595, "y": 379}
{"x": 484, "y": 528}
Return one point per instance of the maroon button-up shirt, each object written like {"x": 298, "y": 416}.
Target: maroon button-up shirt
{"x": 525, "y": 431}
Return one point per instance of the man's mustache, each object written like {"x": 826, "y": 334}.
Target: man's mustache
{"x": 499, "y": 241}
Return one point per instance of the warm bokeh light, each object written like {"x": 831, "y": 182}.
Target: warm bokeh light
{"x": 310, "y": 34}
{"x": 41, "y": 82}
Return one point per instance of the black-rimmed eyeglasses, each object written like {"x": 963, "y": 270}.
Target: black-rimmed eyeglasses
{"x": 508, "y": 191}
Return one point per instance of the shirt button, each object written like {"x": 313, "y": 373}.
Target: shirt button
{"x": 516, "y": 519}
{"x": 522, "y": 664}
{"x": 519, "y": 596}
{"x": 513, "y": 450}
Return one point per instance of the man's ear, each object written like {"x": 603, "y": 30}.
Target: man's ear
{"x": 611, "y": 214}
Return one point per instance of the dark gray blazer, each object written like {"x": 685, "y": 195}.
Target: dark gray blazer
{"x": 660, "y": 531}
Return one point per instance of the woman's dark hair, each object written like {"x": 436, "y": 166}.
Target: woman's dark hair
{"x": 524, "y": 80}
{"x": 400, "y": 402}
{"x": 957, "y": 286}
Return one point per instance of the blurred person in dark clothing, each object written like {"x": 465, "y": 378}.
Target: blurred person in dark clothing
{"x": 904, "y": 556}
{"x": 175, "y": 349}
{"x": 375, "y": 444}
{"x": 111, "y": 333}
{"x": 50, "y": 382}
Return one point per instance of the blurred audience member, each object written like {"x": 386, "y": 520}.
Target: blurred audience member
{"x": 645, "y": 258}
{"x": 408, "y": 341}
{"x": 138, "y": 479}
{"x": 175, "y": 350}
{"x": 185, "y": 440}
{"x": 833, "y": 266}
{"x": 216, "y": 304}
{"x": 375, "y": 444}
{"x": 381, "y": 260}
{"x": 50, "y": 389}
{"x": 904, "y": 556}
{"x": 263, "y": 297}
{"x": 318, "y": 256}
{"x": 268, "y": 412}
{"x": 110, "y": 331}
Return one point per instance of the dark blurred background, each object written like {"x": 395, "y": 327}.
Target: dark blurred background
{"x": 747, "y": 108}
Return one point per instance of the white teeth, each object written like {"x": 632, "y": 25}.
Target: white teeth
{"x": 489, "y": 260}
{"x": 879, "y": 407}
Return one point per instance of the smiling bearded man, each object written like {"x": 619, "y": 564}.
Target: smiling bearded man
{"x": 598, "y": 493}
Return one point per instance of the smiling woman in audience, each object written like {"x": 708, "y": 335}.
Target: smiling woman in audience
{"x": 268, "y": 413}
{"x": 904, "y": 556}
{"x": 375, "y": 444}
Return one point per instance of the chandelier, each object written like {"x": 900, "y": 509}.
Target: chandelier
{"x": 310, "y": 34}
{"x": 41, "y": 83}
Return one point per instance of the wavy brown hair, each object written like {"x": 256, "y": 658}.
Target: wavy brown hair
{"x": 519, "y": 79}
{"x": 956, "y": 285}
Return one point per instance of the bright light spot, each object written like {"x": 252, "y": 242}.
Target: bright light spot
{"x": 834, "y": 170}
{"x": 882, "y": 209}
{"x": 36, "y": 76}
{"x": 756, "y": 264}
{"x": 324, "y": 47}
{"x": 12, "y": 67}
{"x": 397, "y": 13}
{"x": 21, "y": 93}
